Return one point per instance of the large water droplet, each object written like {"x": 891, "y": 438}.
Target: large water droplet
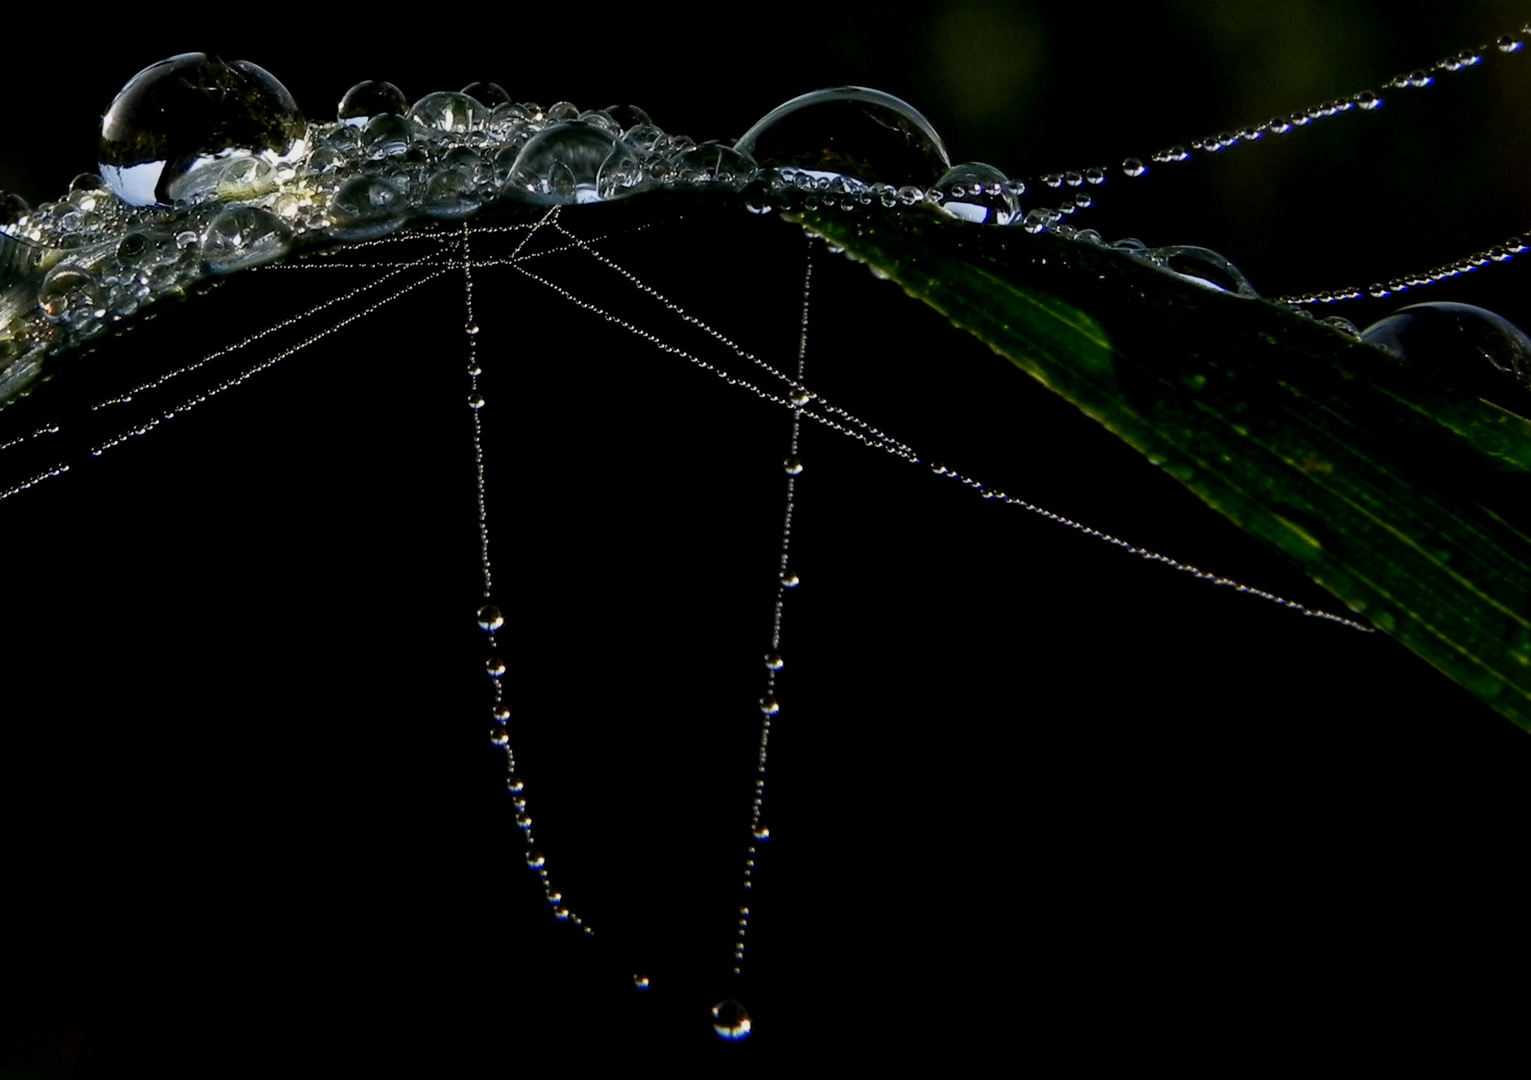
{"x": 730, "y": 1020}
{"x": 68, "y": 293}
{"x": 368, "y": 99}
{"x": 243, "y": 236}
{"x": 365, "y": 208}
{"x": 573, "y": 162}
{"x": 490, "y": 618}
{"x": 1200, "y": 266}
{"x": 850, "y": 130}
{"x": 446, "y": 111}
{"x": 1480, "y": 351}
{"x": 179, "y": 116}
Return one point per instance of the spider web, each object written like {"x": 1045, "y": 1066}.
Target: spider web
{"x": 251, "y": 684}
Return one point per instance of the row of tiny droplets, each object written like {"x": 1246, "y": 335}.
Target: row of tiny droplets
{"x": 490, "y": 618}
{"x": 1043, "y": 217}
{"x": 787, "y": 579}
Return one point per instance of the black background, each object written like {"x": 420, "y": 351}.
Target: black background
{"x": 1026, "y": 792}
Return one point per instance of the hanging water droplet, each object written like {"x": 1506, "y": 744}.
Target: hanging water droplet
{"x": 1133, "y": 167}
{"x": 793, "y": 466}
{"x": 534, "y": 859}
{"x": 789, "y": 580}
{"x": 760, "y": 832}
{"x": 501, "y": 714}
{"x": 640, "y": 982}
{"x": 514, "y": 783}
{"x": 368, "y": 99}
{"x": 498, "y": 738}
{"x": 523, "y": 820}
{"x": 560, "y": 913}
{"x": 179, "y": 116}
{"x": 852, "y": 131}
{"x": 730, "y": 1020}
{"x": 769, "y": 705}
{"x": 490, "y": 618}
{"x": 977, "y": 192}
{"x": 773, "y": 661}
{"x": 239, "y": 237}
{"x": 475, "y": 401}
{"x": 495, "y": 667}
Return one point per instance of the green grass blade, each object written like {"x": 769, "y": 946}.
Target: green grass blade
{"x": 1403, "y": 496}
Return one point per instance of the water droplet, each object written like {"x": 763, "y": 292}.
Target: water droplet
{"x": 490, "y": 94}
{"x": 475, "y": 401}
{"x": 573, "y": 162}
{"x": 1133, "y": 167}
{"x": 730, "y": 1020}
{"x": 501, "y": 714}
{"x": 773, "y": 661}
{"x": 523, "y": 820}
{"x": 514, "y": 783}
{"x": 1200, "y": 266}
{"x": 641, "y": 982}
{"x": 979, "y": 193}
{"x": 179, "y": 116}
{"x": 368, "y": 99}
{"x": 769, "y": 705}
{"x": 852, "y": 131}
{"x": 793, "y": 466}
{"x": 560, "y": 913}
{"x": 498, "y": 738}
{"x": 68, "y": 292}
{"x": 365, "y": 208}
{"x": 760, "y": 832}
{"x": 448, "y": 111}
{"x": 490, "y": 618}
{"x": 1367, "y": 100}
{"x": 534, "y": 859}
{"x": 387, "y": 135}
{"x": 789, "y": 580}
{"x": 495, "y": 667}
{"x": 239, "y": 237}
{"x": 1484, "y": 353}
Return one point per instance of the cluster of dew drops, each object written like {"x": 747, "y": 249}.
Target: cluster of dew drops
{"x": 208, "y": 167}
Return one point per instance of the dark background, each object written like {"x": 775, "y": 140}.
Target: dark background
{"x": 1025, "y": 791}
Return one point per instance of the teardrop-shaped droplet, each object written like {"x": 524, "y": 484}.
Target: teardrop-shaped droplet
{"x": 852, "y": 131}
{"x": 979, "y": 193}
{"x": 490, "y": 618}
{"x": 178, "y": 116}
{"x": 1200, "y": 266}
{"x": 1481, "y": 352}
{"x": 730, "y": 1020}
{"x": 243, "y": 236}
{"x": 368, "y": 99}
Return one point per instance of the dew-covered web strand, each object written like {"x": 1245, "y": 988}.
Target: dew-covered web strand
{"x": 1362, "y": 101}
{"x": 799, "y": 397}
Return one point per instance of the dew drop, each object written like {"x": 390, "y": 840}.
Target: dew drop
{"x": 490, "y": 618}
{"x": 1482, "y": 352}
{"x": 495, "y": 667}
{"x": 534, "y": 859}
{"x": 1133, "y": 167}
{"x": 368, "y": 99}
{"x": 789, "y": 580}
{"x": 498, "y": 738}
{"x": 365, "y": 208}
{"x": 793, "y": 466}
{"x": 514, "y": 783}
{"x": 640, "y": 982}
{"x": 773, "y": 661}
{"x": 979, "y": 193}
{"x": 239, "y": 237}
{"x": 730, "y": 1020}
{"x": 573, "y": 162}
{"x": 181, "y": 115}
{"x": 760, "y": 832}
{"x": 769, "y": 706}
{"x": 448, "y": 111}
{"x": 68, "y": 292}
{"x": 475, "y": 401}
{"x": 849, "y": 131}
